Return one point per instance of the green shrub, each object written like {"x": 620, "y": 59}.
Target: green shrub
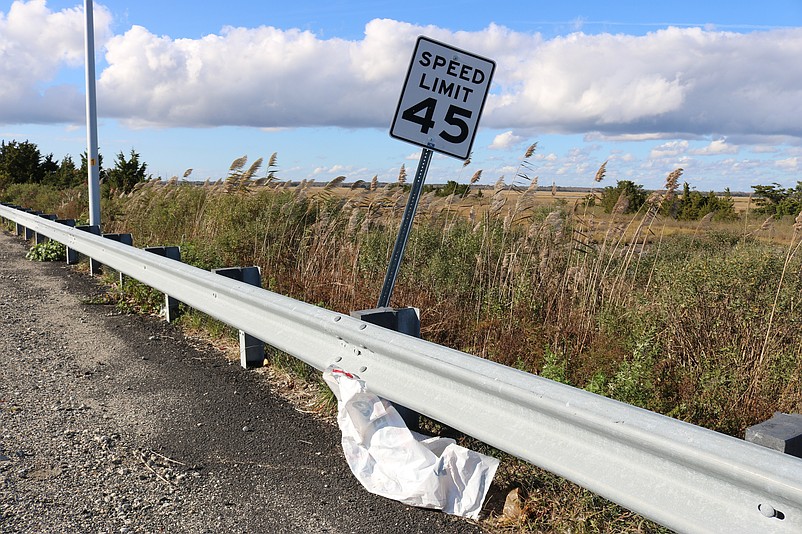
{"x": 47, "y": 251}
{"x": 633, "y": 193}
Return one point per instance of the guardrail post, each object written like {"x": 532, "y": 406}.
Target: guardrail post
{"x": 18, "y": 228}
{"x": 95, "y": 267}
{"x": 125, "y": 239}
{"x": 72, "y": 255}
{"x": 783, "y": 432}
{"x": 251, "y": 349}
{"x": 29, "y": 233}
{"x": 171, "y": 305}
{"x": 406, "y": 321}
{"x": 38, "y": 238}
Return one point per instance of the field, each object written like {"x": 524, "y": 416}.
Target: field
{"x": 699, "y": 320}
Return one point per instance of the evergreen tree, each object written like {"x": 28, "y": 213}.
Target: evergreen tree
{"x": 20, "y": 163}
{"x": 774, "y": 200}
{"x": 126, "y": 172}
{"x": 67, "y": 175}
{"x": 630, "y": 190}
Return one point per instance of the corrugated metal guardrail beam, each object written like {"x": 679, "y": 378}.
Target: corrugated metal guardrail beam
{"x": 682, "y": 476}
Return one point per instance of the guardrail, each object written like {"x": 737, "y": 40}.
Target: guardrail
{"x": 687, "y": 478}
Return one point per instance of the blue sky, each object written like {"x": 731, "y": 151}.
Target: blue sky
{"x": 647, "y": 86}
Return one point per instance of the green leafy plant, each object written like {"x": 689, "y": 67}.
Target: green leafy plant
{"x": 47, "y": 251}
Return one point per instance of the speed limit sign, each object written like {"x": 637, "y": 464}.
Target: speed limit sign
{"x": 442, "y": 98}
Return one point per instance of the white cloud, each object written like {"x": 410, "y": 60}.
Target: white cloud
{"x": 334, "y": 169}
{"x": 35, "y": 43}
{"x": 715, "y": 148}
{"x": 653, "y": 136}
{"x": 675, "y": 82}
{"x": 685, "y": 81}
{"x": 505, "y": 140}
{"x": 668, "y": 82}
{"x": 790, "y": 164}
{"x": 669, "y": 150}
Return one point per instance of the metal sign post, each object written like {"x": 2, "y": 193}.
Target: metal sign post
{"x": 439, "y": 109}
{"x": 406, "y": 226}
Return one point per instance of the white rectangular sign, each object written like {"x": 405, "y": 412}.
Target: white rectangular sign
{"x": 442, "y": 99}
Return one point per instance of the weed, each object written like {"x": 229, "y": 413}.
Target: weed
{"x": 699, "y": 320}
{"x": 47, "y": 251}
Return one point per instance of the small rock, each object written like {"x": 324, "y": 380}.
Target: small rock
{"x": 246, "y": 428}
{"x": 513, "y": 509}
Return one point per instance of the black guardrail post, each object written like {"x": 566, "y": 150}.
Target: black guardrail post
{"x": 39, "y": 238}
{"x": 72, "y": 255}
{"x": 19, "y": 229}
{"x": 251, "y": 349}
{"x": 406, "y": 321}
{"x": 28, "y": 231}
{"x": 125, "y": 239}
{"x": 171, "y": 305}
{"x": 95, "y": 267}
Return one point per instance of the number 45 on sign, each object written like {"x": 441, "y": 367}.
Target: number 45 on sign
{"x": 442, "y": 99}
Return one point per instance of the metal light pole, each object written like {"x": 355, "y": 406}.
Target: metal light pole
{"x": 92, "y": 160}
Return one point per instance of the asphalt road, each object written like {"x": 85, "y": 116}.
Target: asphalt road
{"x": 112, "y": 422}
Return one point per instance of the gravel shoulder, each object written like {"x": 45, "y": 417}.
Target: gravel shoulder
{"x": 119, "y": 423}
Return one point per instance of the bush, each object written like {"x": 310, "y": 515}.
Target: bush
{"x": 633, "y": 197}
{"x": 47, "y": 251}
{"x": 774, "y": 200}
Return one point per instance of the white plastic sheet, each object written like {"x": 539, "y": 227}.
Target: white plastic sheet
{"x": 390, "y": 460}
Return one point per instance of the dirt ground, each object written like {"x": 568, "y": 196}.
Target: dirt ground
{"x": 119, "y": 423}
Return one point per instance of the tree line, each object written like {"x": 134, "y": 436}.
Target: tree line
{"x": 22, "y": 162}
{"x": 690, "y": 205}
{"x": 693, "y": 205}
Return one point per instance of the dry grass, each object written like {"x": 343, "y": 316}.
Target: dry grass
{"x": 695, "y": 319}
